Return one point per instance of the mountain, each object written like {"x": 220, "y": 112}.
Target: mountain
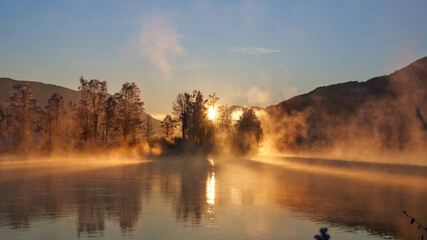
{"x": 386, "y": 112}
{"x": 348, "y": 96}
{"x": 43, "y": 91}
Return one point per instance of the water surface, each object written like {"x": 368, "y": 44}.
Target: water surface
{"x": 211, "y": 198}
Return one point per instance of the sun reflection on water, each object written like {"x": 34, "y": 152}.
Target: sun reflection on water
{"x": 210, "y": 188}
{"x": 210, "y": 199}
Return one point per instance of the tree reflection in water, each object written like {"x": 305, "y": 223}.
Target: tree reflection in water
{"x": 243, "y": 197}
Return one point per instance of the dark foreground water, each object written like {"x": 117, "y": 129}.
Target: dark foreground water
{"x": 199, "y": 198}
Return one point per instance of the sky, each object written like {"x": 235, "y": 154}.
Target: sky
{"x": 248, "y": 52}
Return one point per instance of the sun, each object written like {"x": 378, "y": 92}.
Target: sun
{"x": 211, "y": 113}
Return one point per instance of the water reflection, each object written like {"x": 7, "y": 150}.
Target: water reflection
{"x": 95, "y": 195}
{"x": 210, "y": 188}
{"x": 237, "y": 198}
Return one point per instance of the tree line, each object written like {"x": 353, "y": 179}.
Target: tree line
{"x": 203, "y": 121}
{"x": 102, "y": 118}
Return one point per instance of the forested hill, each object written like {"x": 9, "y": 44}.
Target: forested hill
{"x": 345, "y": 98}
{"x": 43, "y": 91}
{"x": 386, "y": 112}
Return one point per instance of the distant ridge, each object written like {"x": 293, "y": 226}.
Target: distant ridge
{"x": 43, "y": 91}
{"x": 347, "y": 119}
{"x": 347, "y": 96}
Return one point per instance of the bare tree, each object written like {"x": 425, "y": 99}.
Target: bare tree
{"x": 168, "y": 126}
{"x": 198, "y": 117}
{"x": 212, "y": 101}
{"x": 2, "y": 114}
{"x": 98, "y": 94}
{"x": 53, "y": 114}
{"x": 129, "y": 108}
{"x": 147, "y": 128}
{"x": 83, "y": 111}
{"x": 2, "y": 120}
{"x": 92, "y": 98}
{"x": 110, "y": 117}
{"x": 181, "y": 108}
{"x": 22, "y": 112}
{"x": 224, "y": 118}
{"x": 69, "y": 123}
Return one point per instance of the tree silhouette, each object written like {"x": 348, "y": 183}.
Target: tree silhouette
{"x": 109, "y": 117}
{"x": 92, "y": 98}
{"x": 181, "y": 108}
{"x": 2, "y": 119}
{"x": 198, "y": 117}
{"x": 168, "y": 126}
{"x": 83, "y": 111}
{"x": 224, "y": 118}
{"x": 248, "y": 133}
{"x": 22, "y": 112}
{"x": 147, "y": 128}
{"x": 54, "y": 114}
{"x": 129, "y": 109}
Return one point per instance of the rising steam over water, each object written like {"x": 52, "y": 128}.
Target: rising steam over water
{"x": 175, "y": 198}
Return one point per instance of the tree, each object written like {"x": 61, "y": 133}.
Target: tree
{"x": 54, "y": 112}
{"x": 198, "y": 117}
{"x": 22, "y": 112}
{"x": 92, "y": 98}
{"x": 248, "y": 133}
{"x": 212, "y": 101}
{"x": 168, "y": 126}
{"x": 181, "y": 107}
{"x": 98, "y": 94}
{"x": 2, "y": 119}
{"x": 224, "y": 118}
{"x": 2, "y": 114}
{"x": 147, "y": 128}
{"x": 129, "y": 109}
{"x": 69, "y": 123}
{"x": 83, "y": 109}
{"x": 109, "y": 117}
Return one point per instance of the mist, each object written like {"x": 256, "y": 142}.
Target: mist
{"x": 380, "y": 120}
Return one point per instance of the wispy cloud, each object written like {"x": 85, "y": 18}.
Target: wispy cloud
{"x": 254, "y": 50}
{"x": 159, "y": 42}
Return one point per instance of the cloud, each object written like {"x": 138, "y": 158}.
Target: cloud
{"x": 159, "y": 42}
{"x": 258, "y": 97}
{"x": 253, "y": 50}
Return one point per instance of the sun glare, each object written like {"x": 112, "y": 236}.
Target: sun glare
{"x": 211, "y": 113}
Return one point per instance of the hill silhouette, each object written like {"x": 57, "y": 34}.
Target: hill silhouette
{"x": 348, "y": 96}
{"x": 43, "y": 91}
{"x": 383, "y": 113}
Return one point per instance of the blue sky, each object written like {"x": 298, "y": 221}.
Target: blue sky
{"x": 248, "y": 52}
